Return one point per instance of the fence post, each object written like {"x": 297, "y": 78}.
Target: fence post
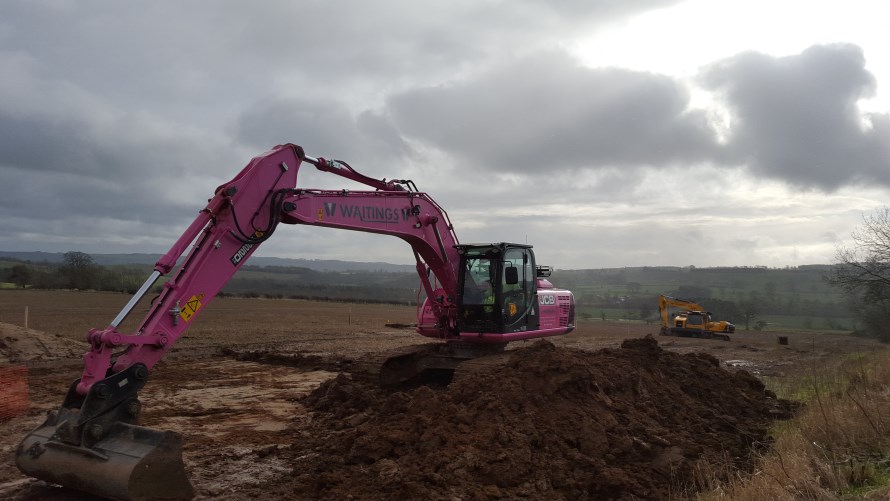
{"x": 26, "y": 317}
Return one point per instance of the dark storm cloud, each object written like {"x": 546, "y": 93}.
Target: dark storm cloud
{"x": 546, "y": 112}
{"x": 796, "y": 118}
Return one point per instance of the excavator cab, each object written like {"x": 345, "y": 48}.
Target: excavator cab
{"x": 694, "y": 320}
{"x": 498, "y": 287}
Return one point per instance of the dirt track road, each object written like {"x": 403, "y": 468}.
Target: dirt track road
{"x": 237, "y": 416}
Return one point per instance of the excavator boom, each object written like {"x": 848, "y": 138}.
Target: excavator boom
{"x": 93, "y": 441}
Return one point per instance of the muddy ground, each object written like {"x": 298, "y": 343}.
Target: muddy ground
{"x": 269, "y": 401}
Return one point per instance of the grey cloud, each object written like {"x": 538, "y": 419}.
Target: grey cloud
{"x": 106, "y": 164}
{"x": 382, "y": 134}
{"x": 116, "y": 122}
{"x": 547, "y": 112}
{"x": 320, "y": 124}
{"x": 38, "y": 143}
{"x": 184, "y": 57}
{"x": 145, "y": 197}
{"x": 570, "y": 9}
{"x": 830, "y": 236}
{"x": 323, "y": 126}
{"x": 795, "y": 118}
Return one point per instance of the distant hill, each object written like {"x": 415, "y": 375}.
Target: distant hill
{"x": 150, "y": 259}
{"x": 791, "y": 297}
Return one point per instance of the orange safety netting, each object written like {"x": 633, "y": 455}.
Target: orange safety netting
{"x": 13, "y": 391}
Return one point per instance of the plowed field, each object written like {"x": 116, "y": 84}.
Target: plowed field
{"x": 263, "y": 393}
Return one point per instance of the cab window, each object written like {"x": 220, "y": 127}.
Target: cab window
{"x": 516, "y": 285}
{"x": 479, "y": 277}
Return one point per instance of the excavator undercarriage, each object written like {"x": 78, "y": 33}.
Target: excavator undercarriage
{"x": 696, "y": 333}
{"x": 431, "y": 360}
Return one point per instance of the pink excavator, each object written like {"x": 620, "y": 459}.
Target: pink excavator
{"x": 477, "y": 298}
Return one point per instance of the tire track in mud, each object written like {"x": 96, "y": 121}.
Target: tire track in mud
{"x": 232, "y": 414}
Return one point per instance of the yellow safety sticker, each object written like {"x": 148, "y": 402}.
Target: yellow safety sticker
{"x": 191, "y": 307}
{"x": 513, "y": 309}
{"x": 320, "y": 214}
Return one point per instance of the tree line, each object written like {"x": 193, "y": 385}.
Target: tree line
{"x": 861, "y": 272}
{"x": 77, "y": 271}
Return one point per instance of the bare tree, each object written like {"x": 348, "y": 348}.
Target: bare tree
{"x": 867, "y": 263}
{"x": 863, "y": 272}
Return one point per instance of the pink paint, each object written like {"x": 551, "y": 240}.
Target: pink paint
{"x": 248, "y": 209}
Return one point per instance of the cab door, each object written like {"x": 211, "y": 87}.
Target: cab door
{"x": 518, "y": 287}
{"x": 479, "y": 311}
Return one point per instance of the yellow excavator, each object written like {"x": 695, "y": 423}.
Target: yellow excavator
{"x": 691, "y": 321}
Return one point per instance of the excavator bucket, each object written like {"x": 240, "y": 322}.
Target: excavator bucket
{"x": 129, "y": 463}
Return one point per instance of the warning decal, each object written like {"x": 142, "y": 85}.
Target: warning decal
{"x": 191, "y": 307}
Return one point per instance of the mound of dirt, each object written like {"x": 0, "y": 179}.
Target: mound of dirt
{"x": 550, "y": 423}
{"x": 19, "y": 345}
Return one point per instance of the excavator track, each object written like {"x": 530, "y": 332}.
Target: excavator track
{"x": 696, "y": 333}
{"x": 470, "y": 368}
{"x": 369, "y": 366}
{"x": 429, "y": 362}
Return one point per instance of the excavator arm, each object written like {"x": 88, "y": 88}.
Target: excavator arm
{"x": 93, "y": 443}
{"x": 411, "y": 216}
{"x": 243, "y": 214}
{"x": 665, "y": 301}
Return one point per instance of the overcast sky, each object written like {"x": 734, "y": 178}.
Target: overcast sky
{"x": 606, "y": 133}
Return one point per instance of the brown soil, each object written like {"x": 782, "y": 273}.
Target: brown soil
{"x": 550, "y": 423}
{"x": 19, "y": 345}
{"x": 271, "y": 408}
